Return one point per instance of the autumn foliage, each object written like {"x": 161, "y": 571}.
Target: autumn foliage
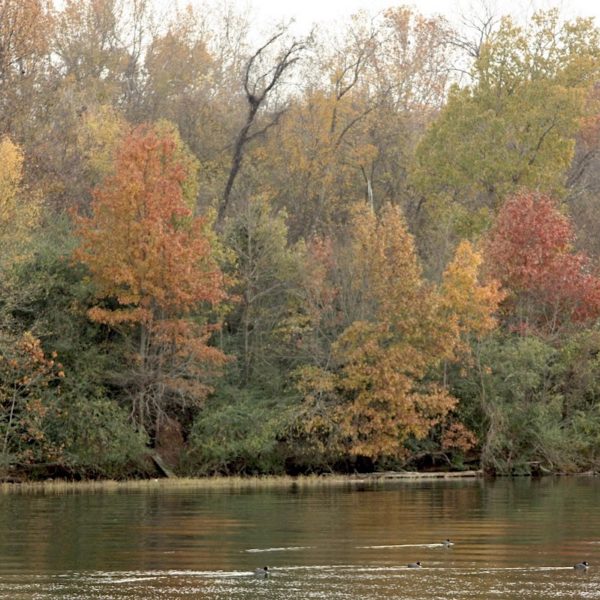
{"x": 152, "y": 266}
{"x": 378, "y": 393}
{"x": 19, "y": 208}
{"x": 318, "y": 251}
{"x": 470, "y": 306}
{"x": 26, "y": 374}
{"x": 530, "y": 250}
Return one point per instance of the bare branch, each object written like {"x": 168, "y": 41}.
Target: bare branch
{"x": 256, "y": 95}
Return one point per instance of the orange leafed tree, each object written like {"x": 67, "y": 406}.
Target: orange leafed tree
{"x": 152, "y": 265}
{"x": 375, "y": 394}
{"x": 379, "y": 387}
{"x": 468, "y": 305}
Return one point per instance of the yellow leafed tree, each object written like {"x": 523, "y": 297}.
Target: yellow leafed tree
{"x": 19, "y": 211}
{"x": 469, "y": 304}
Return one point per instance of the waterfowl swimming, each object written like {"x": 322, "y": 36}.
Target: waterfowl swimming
{"x": 447, "y": 543}
{"x": 262, "y": 572}
{"x": 582, "y": 566}
{"x": 415, "y": 565}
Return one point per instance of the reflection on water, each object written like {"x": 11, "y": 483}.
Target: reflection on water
{"x": 513, "y": 539}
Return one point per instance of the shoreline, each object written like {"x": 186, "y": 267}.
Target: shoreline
{"x": 255, "y": 482}
{"x": 233, "y": 483}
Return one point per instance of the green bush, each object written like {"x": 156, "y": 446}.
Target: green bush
{"x": 516, "y": 381}
{"x": 98, "y": 440}
{"x": 238, "y": 431}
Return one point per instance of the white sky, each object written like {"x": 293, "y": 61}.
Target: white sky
{"x": 308, "y": 12}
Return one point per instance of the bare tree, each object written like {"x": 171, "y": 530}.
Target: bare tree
{"x": 477, "y": 23}
{"x": 262, "y": 76}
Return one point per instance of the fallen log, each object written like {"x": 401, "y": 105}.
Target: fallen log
{"x": 162, "y": 466}
{"x": 421, "y": 475}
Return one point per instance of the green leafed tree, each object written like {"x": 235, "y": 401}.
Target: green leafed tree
{"x": 513, "y": 126}
{"x": 265, "y": 271}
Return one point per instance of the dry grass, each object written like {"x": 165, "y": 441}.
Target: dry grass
{"x": 204, "y": 484}
{"x": 213, "y": 483}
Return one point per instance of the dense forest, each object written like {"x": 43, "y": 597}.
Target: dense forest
{"x": 245, "y": 251}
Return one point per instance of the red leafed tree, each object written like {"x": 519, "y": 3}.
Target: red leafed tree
{"x": 530, "y": 251}
{"x": 152, "y": 265}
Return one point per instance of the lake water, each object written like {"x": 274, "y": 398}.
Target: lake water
{"x": 514, "y": 539}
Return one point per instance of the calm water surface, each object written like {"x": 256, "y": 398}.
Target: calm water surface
{"x": 514, "y": 539}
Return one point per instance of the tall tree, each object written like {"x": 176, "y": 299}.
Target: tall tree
{"x": 25, "y": 28}
{"x": 374, "y": 394}
{"x": 265, "y": 274}
{"x": 513, "y": 126}
{"x": 152, "y": 265}
{"x": 92, "y": 56}
{"x": 351, "y": 134}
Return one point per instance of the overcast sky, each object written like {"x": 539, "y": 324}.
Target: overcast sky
{"x": 308, "y": 12}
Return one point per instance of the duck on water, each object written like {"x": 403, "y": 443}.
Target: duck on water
{"x": 262, "y": 572}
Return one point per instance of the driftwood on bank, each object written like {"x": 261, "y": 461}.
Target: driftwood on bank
{"x": 162, "y": 466}
{"x": 420, "y": 475}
